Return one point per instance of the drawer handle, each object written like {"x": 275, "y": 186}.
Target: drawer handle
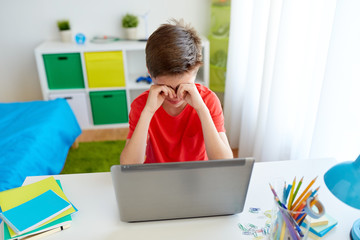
{"x": 108, "y": 96}
{"x": 62, "y": 58}
{"x": 68, "y": 98}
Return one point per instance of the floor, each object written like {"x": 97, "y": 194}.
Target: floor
{"x": 110, "y": 134}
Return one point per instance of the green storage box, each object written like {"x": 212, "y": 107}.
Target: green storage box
{"x": 218, "y": 51}
{"x": 220, "y": 20}
{"x": 217, "y": 78}
{"x": 109, "y": 107}
{"x": 63, "y": 71}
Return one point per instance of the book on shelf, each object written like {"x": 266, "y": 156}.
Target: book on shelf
{"x": 31, "y": 214}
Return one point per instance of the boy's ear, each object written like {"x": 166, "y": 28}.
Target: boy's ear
{"x": 148, "y": 72}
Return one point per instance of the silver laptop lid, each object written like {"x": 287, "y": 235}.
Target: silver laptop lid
{"x": 182, "y": 189}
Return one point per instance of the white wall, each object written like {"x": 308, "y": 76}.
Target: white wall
{"x": 24, "y": 24}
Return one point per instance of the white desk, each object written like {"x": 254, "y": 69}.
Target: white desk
{"x": 98, "y": 217}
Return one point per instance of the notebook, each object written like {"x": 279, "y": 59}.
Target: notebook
{"x": 162, "y": 191}
{"x": 320, "y": 231}
{"x": 36, "y": 211}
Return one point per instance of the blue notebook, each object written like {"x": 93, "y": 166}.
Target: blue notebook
{"x": 35, "y": 212}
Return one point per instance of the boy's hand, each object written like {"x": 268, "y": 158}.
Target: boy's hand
{"x": 156, "y": 97}
{"x": 191, "y": 95}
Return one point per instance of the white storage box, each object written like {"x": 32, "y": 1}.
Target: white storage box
{"x": 78, "y": 104}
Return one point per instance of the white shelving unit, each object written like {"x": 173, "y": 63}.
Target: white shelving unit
{"x": 133, "y": 53}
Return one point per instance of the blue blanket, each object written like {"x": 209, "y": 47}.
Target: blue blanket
{"x": 35, "y": 138}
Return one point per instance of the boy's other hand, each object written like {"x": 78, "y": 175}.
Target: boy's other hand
{"x": 156, "y": 97}
{"x": 191, "y": 95}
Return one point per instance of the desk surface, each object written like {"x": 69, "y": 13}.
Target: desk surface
{"x": 98, "y": 217}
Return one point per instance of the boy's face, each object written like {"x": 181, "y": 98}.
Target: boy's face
{"x": 174, "y": 82}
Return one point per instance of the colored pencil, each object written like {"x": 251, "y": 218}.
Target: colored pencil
{"x": 287, "y": 192}
{"x": 297, "y": 207}
{"x": 284, "y": 192}
{"x": 291, "y": 193}
{"x": 296, "y": 213}
{"x": 302, "y": 216}
{"x": 313, "y": 201}
{"x": 282, "y": 231}
{"x": 290, "y": 221}
{"x": 287, "y": 215}
{"x": 316, "y": 190}
{"x": 303, "y": 193}
{"x": 297, "y": 189}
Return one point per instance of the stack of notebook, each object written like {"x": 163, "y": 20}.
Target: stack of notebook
{"x": 320, "y": 227}
{"x": 35, "y": 210}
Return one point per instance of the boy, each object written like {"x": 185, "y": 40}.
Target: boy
{"x": 176, "y": 120}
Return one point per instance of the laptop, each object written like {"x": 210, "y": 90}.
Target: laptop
{"x": 160, "y": 191}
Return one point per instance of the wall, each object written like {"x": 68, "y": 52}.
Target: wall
{"x": 25, "y": 24}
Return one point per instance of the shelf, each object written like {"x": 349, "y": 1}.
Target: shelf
{"x": 133, "y": 63}
{"x": 138, "y": 85}
{"x": 60, "y": 47}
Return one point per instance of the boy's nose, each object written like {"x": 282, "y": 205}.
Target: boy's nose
{"x": 173, "y": 98}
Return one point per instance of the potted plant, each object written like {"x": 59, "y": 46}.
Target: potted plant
{"x": 65, "y": 31}
{"x": 130, "y": 23}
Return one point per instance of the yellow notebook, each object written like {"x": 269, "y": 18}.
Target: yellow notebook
{"x": 16, "y": 196}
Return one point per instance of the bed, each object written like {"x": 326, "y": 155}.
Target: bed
{"x": 35, "y": 138}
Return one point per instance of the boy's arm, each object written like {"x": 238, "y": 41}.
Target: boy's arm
{"x": 134, "y": 150}
{"x": 216, "y": 143}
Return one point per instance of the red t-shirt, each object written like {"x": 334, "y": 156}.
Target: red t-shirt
{"x": 179, "y": 138}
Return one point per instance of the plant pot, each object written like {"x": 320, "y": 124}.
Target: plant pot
{"x": 66, "y": 36}
{"x": 131, "y": 33}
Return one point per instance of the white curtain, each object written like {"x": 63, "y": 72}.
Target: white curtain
{"x": 293, "y": 79}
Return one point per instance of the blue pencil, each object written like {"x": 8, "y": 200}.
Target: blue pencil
{"x": 313, "y": 193}
{"x": 287, "y": 192}
{"x": 284, "y": 192}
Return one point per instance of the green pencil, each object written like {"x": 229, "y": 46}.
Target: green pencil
{"x": 297, "y": 189}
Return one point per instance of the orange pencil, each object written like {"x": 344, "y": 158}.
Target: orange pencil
{"x": 313, "y": 201}
{"x": 303, "y": 193}
{"x": 303, "y": 200}
{"x": 303, "y": 216}
{"x": 311, "y": 205}
{"x": 303, "y": 204}
{"x": 296, "y": 213}
{"x": 291, "y": 193}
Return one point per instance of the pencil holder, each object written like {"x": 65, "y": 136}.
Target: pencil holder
{"x": 287, "y": 224}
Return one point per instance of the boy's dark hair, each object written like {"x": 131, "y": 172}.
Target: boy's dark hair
{"x": 173, "y": 49}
